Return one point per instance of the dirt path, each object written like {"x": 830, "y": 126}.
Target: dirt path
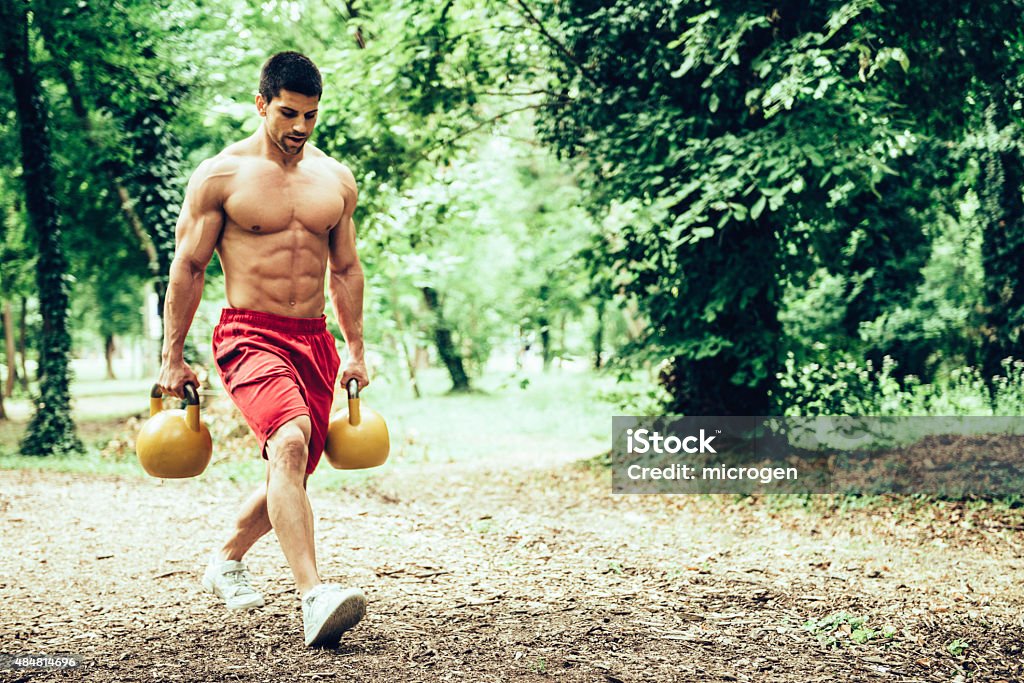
{"x": 530, "y": 574}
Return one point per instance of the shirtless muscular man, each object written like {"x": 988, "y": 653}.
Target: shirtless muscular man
{"x": 278, "y": 211}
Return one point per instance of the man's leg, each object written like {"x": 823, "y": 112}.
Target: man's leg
{"x": 328, "y": 610}
{"x": 253, "y": 522}
{"x": 287, "y": 503}
{"x": 226, "y": 575}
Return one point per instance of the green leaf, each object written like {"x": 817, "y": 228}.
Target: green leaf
{"x": 758, "y": 208}
{"x": 900, "y": 56}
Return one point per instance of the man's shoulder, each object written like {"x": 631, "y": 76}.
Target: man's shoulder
{"x": 212, "y": 179}
{"x": 225, "y": 163}
{"x": 333, "y": 164}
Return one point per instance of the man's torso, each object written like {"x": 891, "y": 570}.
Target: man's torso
{"x": 277, "y": 224}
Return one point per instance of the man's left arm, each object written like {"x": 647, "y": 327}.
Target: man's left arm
{"x": 346, "y": 284}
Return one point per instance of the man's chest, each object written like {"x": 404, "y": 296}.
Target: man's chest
{"x": 265, "y": 199}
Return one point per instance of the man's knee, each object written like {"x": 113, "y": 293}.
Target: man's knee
{"x": 305, "y": 479}
{"x": 287, "y": 447}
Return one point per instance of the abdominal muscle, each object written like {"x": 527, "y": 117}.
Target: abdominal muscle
{"x": 280, "y": 272}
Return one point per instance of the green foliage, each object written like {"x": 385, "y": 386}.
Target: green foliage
{"x": 17, "y": 256}
{"x": 126, "y": 169}
{"x": 839, "y": 384}
{"x": 495, "y": 233}
{"x": 836, "y": 629}
{"x": 928, "y": 320}
{"x": 809, "y": 207}
{"x": 957, "y": 647}
{"x": 742, "y": 135}
{"x": 413, "y": 94}
{"x": 800, "y": 173}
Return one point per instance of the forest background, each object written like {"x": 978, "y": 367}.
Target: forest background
{"x": 727, "y": 207}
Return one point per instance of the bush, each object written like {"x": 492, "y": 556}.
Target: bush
{"x": 843, "y": 385}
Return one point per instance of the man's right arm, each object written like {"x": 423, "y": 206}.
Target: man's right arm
{"x": 195, "y": 236}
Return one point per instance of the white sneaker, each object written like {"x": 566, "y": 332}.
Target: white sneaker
{"x": 328, "y": 611}
{"x": 229, "y": 580}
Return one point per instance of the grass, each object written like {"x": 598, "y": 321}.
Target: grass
{"x": 88, "y": 463}
{"x": 550, "y": 416}
{"x": 555, "y": 416}
{"x": 539, "y": 417}
{"x": 560, "y": 407}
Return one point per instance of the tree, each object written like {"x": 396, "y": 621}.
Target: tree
{"x": 17, "y": 261}
{"x": 124, "y": 92}
{"x": 759, "y": 143}
{"x": 911, "y": 272}
{"x": 51, "y": 430}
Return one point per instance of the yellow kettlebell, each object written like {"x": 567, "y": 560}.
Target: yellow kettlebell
{"x": 174, "y": 444}
{"x": 357, "y": 438}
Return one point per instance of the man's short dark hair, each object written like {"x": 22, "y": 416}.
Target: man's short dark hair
{"x": 290, "y": 71}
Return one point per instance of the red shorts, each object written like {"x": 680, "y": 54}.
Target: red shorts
{"x": 276, "y": 368}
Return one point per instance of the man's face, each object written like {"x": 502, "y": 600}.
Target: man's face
{"x": 290, "y": 118}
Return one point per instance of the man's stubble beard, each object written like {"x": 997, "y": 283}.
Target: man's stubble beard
{"x": 286, "y": 146}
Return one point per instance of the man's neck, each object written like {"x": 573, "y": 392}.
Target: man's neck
{"x": 270, "y": 150}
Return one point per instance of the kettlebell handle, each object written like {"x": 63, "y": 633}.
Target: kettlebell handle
{"x": 191, "y": 404}
{"x": 191, "y": 395}
{"x": 354, "y": 417}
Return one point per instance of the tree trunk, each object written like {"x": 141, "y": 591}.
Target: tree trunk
{"x": 400, "y": 341}
{"x": 12, "y": 354}
{"x": 737, "y": 379}
{"x": 599, "y": 333}
{"x": 561, "y": 339}
{"x": 544, "y": 323}
{"x": 1002, "y": 253}
{"x": 545, "y": 340}
{"x": 51, "y": 430}
{"x": 353, "y": 14}
{"x": 109, "y": 348}
{"x": 22, "y": 336}
{"x": 631, "y": 316}
{"x": 445, "y": 347}
{"x": 521, "y": 353}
